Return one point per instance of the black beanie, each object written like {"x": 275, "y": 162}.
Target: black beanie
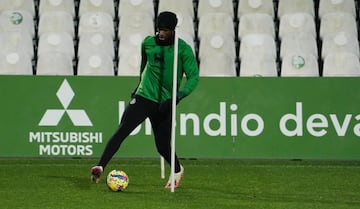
{"x": 166, "y": 20}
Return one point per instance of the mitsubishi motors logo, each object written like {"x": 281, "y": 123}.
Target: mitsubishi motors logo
{"x": 65, "y": 95}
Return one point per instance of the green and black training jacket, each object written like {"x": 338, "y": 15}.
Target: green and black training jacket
{"x": 156, "y": 73}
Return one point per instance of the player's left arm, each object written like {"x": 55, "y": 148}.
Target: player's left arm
{"x": 191, "y": 70}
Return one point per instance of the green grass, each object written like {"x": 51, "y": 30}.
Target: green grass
{"x": 220, "y": 184}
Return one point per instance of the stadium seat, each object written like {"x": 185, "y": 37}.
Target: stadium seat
{"x": 129, "y": 64}
{"x": 183, "y": 7}
{"x": 258, "y": 66}
{"x": 96, "y": 42}
{"x": 56, "y": 42}
{"x": 219, "y": 65}
{"x": 216, "y": 23}
{"x": 54, "y": 63}
{"x": 339, "y": 42}
{"x": 216, "y": 44}
{"x": 136, "y": 24}
{"x": 95, "y": 64}
{"x": 299, "y": 65}
{"x": 90, "y": 6}
{"x": 97, "y": 22}
{"x": 129, "y": 54}
{"x": 296, "y": 6}
{"x": 255, "y": 6}
{"x": 338, "y": 22}
{"x": 130, "y": 43}
{"x": 342, "y": 6}
{"x": 215, "y": 6}
{"x": 185, "y": 25}
{"x": 257, "y": 44}
{"x": 217, "y": 55}
{"x": 16, "y": 42}
{"x": 341, "y": 64}
{"x": 22, "y": 5}
{"x": 57, "y": 21}
{"x": 298, "y": 43}
{"x": 15, "y": 63}
{"x": 145, "y": 7}
{"x": 297, "y": 23}
{"x": 17, "y": 21}
{"x": 57, "y": 6}
{"x": 256, "y": 23}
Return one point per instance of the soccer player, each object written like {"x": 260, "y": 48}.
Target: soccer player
{"x": 152, "y": 98}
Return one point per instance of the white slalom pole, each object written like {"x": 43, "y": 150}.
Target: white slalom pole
{"x": 162, "y": 167}
{"x": 173, "y": 111}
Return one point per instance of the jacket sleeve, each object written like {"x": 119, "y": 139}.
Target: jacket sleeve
{"x": 143, "y": 58}
{"x": 191, "y": 70}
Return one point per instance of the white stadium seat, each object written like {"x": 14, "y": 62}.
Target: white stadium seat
{"x": 257, "y": 56}
{"x": 331, "y": 6}
{"x": 56, "y": 42}
{"x": 57, "y": 6}
{"x": 271, "y": 38}
{"x": 299, "y": 65}
{"x": 216, "y": 23}
{"x": 90, "y": 6}
{"x": 257, "y": 44}
{"x": 17, "y": 21}
{"x": 134, "y": 24}
{"x": 256, "y": 6}
{"x": 145, "y": 7}
{"x": 297, "y": 23}
{"x": 129, "y": 64}
{"x": 256, "y": 23}
{"x": 296, "y": 6}
{"x": 15, "y": 63}
{"x": 338, "y": 22}
{"x": 57, "y": 21}
{"x": 219, "y": 65}
{"x": 16, "y": 42}
{"x": 258, "y": 66}
{"x": 95, "y": 64}
{"x": 341, "y": 64}
{"x": 340, "y": 42}
{"x": 185, "y": 25}
{"x": 96, "y": 42}
{"x": 131, "y": 43}
{"x": 54, "y": 63}
{"x": 217, "y": 54}
{"x": 215, "y": 6}
{"x": 23, "y": 5}
{"x": 214, "y": 44}
{"x": 96, "y": 22}
{"x": 298, "y": 43}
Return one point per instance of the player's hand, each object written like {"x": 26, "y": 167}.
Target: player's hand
{"x": 133, "y": 93}
{"x": 166, "y": 106}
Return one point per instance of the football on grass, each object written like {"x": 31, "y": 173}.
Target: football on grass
{"x": 117, "y": 180}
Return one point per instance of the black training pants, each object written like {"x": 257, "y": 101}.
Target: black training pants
{"x": 135, "y": 113}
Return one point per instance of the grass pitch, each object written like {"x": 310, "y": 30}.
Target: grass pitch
{"x": 248, "y": 184}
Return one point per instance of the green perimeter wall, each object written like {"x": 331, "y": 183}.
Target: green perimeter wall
{"x": 277, "y": 118}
